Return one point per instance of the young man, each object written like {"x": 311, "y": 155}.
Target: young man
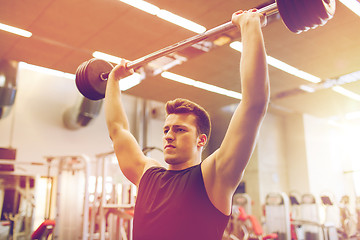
{"x": 192, "y": 198}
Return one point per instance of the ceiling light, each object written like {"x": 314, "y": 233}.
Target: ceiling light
{"x": 353, "y": 5}
{"x": 348, "y": 78}
{"x": 290, "y": 69}
{"x": 142, "y": 5}
{"x": 307, "y": 88}
{"x": 180, "y": 21}
{"x": 201, "y": 85}
{"x": 238, "y": 46}
{"x": 346, "y": 93}
{"x": 281, "y": 65}
{"x": 130, "y": 81}
{"x": 125, "y": 83}
{"x": 2, "y": 80}
{"x": 46, "y": 71}
{"x": 15, "y": 30}
{"x": 166, "y": 15}
{"x": 106, "y": 57}
{"x": 222, "y": 40}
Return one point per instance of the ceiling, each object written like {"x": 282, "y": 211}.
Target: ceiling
{"x": 67, "y": 32}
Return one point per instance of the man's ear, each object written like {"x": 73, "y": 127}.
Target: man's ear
{"x": 202, "y": 140}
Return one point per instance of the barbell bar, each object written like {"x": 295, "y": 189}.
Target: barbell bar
{"x": 297, "y": 15}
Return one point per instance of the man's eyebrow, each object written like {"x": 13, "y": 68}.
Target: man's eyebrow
{"x": 175, "y": 126}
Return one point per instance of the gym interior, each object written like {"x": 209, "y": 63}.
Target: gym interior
{"x": 59, "y": 178}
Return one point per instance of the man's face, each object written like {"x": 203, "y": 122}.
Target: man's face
{"x": 180, "y": 139}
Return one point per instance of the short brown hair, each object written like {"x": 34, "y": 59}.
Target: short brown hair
{"x": 181, "y": 105}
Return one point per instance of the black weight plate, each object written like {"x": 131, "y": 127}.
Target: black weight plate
{"x": 80, "y": 80}
{"x": 286, "y": 14}
{"x": 86, "y": 87}
{"x": 96, "y": 85}
{"x": 305, "y": 17}
{"x": 328, "y": 12}
{"x": 326, "y": 9}
{"x": 320, "y": 11}
{"x": 295, "y": 15}
{"x": 90, "y": 86}
{"x": 301, "y": 15}
{"x": 313, "y": 12}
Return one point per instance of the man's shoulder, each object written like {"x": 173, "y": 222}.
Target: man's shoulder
{"x": 153, "y": 170}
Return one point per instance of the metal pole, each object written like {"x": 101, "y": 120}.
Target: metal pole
{"x": 270, "y": 9}
{"x": 267, "y": 10}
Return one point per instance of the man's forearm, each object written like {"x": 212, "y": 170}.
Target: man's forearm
{"x": 114, "y": 110}
{"x": 253, "y": 65}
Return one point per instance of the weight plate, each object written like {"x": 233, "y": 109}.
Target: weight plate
{"x": 320, "y": 11}
{"x": 79, "y": 80}
{"x": 90, "y": 86}
{"x": 95, "y": 85}
{"x": 326, "y": 8}
{"x": 295, "y": 14}
{"x": 305, "y": 18}
{"x": 286, "y": 14}
{"x": 301, "y": 15}
{"x": 313, "y": 11}
{"x": 86, "y": 87}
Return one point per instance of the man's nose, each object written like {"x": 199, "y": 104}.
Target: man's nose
{"x": 169, "y": 136}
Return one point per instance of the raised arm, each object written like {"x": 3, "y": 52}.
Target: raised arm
{"x": 131, "y": 159}
{"x": 224, "y": 169}
{"x": 240, "y": 138}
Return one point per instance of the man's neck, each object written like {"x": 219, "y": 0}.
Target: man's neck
{"x": 182, "y": 166}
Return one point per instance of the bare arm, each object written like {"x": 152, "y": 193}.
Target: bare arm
{"x": 240, "y": 139}
{"x": 226, "y": 166}
{"x": 131, "y": 159}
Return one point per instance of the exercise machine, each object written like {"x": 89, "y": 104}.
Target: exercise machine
{"x": 277, "y": 215}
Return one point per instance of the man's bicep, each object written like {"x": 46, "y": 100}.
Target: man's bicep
{"x": 131, "y": 159}
{"x": 239, "y": 143}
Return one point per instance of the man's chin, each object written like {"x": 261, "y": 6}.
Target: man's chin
{"x": 172, "y": 160}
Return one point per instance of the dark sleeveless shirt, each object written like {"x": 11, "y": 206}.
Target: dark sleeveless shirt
{"x": 174, "y": 205}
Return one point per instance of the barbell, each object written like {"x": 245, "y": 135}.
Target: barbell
{"x": 297, "y": 15}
